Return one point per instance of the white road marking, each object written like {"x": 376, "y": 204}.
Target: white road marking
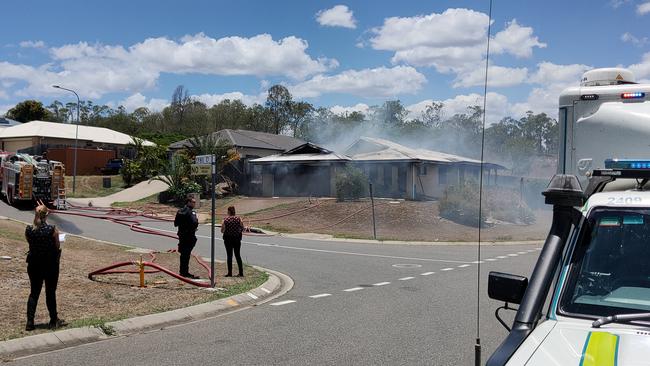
{"x": 477, "y": 262}
{"x": 502, "y": 257}
{"x": 353, "y": 289}
{"x": 406, "y": 278}
{"x": 463, "y": 265}
{"x": 513, "y": 255}
{"x": 427, "y": 273}
{"x": 252, "y": 296}
{"x": 521, "y": 252}
{"x": 283, "y": 302}
{"x": 265, "y": 290}
{"x": 491, "y": 259}
{"x": 381, "y": 284}
{"x": 447, "y": 269}
{"x": 319, "y": 296}
{"x": 324, "y": 250}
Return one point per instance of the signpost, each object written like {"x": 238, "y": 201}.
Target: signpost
{"x": 207, "y": 164}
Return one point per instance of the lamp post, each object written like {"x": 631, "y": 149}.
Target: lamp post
{"x": 76, "y": 136}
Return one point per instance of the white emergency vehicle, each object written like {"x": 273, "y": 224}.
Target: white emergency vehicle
{"x": 588, "y": 299}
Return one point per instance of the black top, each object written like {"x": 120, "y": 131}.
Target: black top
{"x": 41, "y": 242}
{"x": 186, "y": 221}
{"x": 232, "y": 227}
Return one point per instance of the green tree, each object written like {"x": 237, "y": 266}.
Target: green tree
{"x": 30, "y": 110}
{"x": 279, "y": 103}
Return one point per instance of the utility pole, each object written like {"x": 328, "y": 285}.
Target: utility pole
{"x": 214, "y": 198}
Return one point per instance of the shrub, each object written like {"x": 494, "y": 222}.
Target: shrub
{"x": 177, "y": 176}
{"x": 351, "y": 183}
{"x": 460, "y": 204}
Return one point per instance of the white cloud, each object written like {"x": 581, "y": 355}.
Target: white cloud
{"x": 94, "y": 70}
{"x": 617, "y": 3}
{"x": 498, "y": 106}
{"x": 453, "y": 41}
{"x": 212, "y": 99}
{"x": 552, "y": 79}
{"x": 516, "y": 40}
{"x": 5, "y": 108}
{"x": 32, "y": 44}
{"x": 630, "y": 38}
{"x": 341, "y": 110}
{"x": 642, "y": 69}
{"x": 498, "y": 76}
{"x": 138, "y": 100}
{"x": 643, "y": 8}
{"x": 338, "y": 16}
{"x": 378, "y": 82}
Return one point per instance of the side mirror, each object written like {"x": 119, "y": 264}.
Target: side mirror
{"x": 507, "y": 287}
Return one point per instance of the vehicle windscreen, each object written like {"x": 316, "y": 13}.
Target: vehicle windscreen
{"x": 610, "y": 268}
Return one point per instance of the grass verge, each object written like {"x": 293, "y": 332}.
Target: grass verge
{"x": 84, "y": 302}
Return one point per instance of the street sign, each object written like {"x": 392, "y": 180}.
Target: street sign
{"x": 203, "y": 159}
{"x": 201, "y": 169}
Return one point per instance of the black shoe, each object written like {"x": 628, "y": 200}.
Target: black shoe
{"x": 189, "y": 275}
{"x": 57, "y": 323}
{"x": 228, "y": 275}
{"x": 30, "y": 326}
{"x": 240, "y": 275}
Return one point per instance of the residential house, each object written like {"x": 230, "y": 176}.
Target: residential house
{"x": 395, "y": 170}
{"x": 249, "y": 145}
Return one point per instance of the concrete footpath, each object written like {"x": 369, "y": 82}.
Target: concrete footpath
{"x": 277, "y": 285}
{"x": 137, "y": 192}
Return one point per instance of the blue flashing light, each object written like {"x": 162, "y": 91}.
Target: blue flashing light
{"x": 635, "y": 95}
{"x": 627, "y": 164}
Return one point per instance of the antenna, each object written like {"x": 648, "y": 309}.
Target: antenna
{"x": 477, "y": 346}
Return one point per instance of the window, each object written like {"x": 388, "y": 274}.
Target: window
{"x": 610, "y": 271}
{"x": 422, "y": 169}
{"x": 442, "y": 175}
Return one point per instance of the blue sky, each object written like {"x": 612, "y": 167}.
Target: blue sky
{"x": 343, "y": 55}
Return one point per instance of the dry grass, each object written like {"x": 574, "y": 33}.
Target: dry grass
{"x": 399, "y": 220}
{"x": 89, "y": 186}
{"x": 112, "y": 297}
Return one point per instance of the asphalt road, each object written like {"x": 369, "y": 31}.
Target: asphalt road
{"x": 352, "y": 304}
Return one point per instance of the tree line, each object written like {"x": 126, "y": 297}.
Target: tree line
{"x": 511, "y": 141}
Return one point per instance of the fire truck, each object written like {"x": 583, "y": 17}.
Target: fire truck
{"x": 26, "y": 179}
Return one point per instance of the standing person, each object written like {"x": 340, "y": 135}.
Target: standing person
{"x": 232, "y": 229}
{"x": 187, "y": 224}
{"x": 43, "y": 261}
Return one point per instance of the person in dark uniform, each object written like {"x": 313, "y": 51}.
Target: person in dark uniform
{"x": 232, "y": 229}
{"x": 43, "y": 261}
{"x": 187, "y": 223}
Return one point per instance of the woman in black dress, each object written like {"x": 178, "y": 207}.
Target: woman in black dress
{"x": 43, "y": 261}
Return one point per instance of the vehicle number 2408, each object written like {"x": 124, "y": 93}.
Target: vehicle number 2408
{"x": 624, "y": 200}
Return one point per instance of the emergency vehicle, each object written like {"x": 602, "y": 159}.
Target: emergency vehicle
{"x": 26, "y": 179}
{"x": 588, "y": 298}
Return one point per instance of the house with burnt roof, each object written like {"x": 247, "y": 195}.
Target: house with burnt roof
{"x": 249, "y": 145}
{"x": 396, "y": 171}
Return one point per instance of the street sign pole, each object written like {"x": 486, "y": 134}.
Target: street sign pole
{"x": 214, "y": 178}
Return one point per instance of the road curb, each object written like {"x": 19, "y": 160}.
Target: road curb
{"x": 275, "y": 286}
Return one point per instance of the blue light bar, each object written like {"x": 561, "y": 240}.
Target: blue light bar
{"x": 635, "y": 95}
{"x": 627, "y": 164}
